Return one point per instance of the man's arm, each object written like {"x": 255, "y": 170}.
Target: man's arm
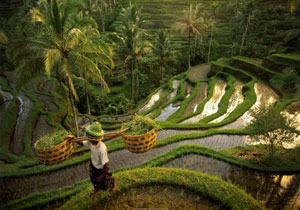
{"x": 71, "y": 137}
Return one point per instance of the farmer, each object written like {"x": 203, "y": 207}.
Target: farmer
{"x": 100, "y": 174}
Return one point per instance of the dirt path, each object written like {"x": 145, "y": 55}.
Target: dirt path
{"x": 200, "y": 96}
{"x": 199, "y": 73}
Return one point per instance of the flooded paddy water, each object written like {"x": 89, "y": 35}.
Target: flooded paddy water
{"x": 171, "y": 108}
{"x": 276, "y": 191}
{"x": 264, "y": 96}
{"x": 211, "y": 106}
{"x": 236, "y": 99}
{"x": 154, "y": 98}
{"x": 200, "y": 96}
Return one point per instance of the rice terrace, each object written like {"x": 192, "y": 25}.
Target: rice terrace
{"x": 119, "y": 104}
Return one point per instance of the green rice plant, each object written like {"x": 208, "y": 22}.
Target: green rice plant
{"x": 7, "y": 128}
{"x": 223, "y": 105}
{"x": 202, "y": 184}
{"x": 52, "y": 139}
{"x": 33, "y": 117}
{"x": 140, "y": 125}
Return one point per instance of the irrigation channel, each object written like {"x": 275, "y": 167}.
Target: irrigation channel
{"x": 277, "y": 191}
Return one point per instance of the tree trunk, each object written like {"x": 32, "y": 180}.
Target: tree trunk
{"x": 161, "y": 67}
{"x": 132, "y": 79}
{"x": 102, "y": 23}
{"x": 189, "y": 44}
{"x": 210, "y": 43}
{"x": 73, "y": 110}
{"x": 244, "y": 35}
{"x": 87, "y": 100}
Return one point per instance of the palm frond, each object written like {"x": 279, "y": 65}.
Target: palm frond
{"x": 37, "y": 16}
{"x": 51, "y": 56}
{"x": 3, "y": 39}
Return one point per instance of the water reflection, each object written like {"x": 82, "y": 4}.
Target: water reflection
{"x": 201, "y": 94}
{"x": 236, "y": 99}
{"x": 264, "y": 96}
{"x": 280, "y": 134}
{"x": 167, "y": 111}
{"x": 175, "y": 86}
{"x": 155, "y": 97}
{"x": 171, "y": 108}
{"x": 211, "y": 106}
{"x": 275, "y": 191}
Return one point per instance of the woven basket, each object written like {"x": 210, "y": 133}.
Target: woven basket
{"x": 55, "y": 154}
{"x": 141, "y": 143}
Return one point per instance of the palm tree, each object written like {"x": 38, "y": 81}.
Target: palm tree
{"x": 162, "y": 48}
{"x": 245, "y": 18}
{"x": 292, "y": 5}
{"x": 211, "y": 24}
{"x": 193, "y": 22}
{"x": 235, "y": 5}
{"x": 61, "y": 49}
{"x": 290, "y": 37}
{"x": 96, "y": 8}
{"x": 131, "y": 36}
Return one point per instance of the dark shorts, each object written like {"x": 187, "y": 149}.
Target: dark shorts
{"x": 105, "y": 183}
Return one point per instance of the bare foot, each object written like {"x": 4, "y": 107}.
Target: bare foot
{"x": 94, "y": 195}
{"x": 113, "y": 190}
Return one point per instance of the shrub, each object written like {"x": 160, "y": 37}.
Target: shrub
{"x": 271, "y": 127}
{"x": 288, "y": 80}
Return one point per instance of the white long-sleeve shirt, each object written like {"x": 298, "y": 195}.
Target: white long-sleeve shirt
{"x": 99, "y": 154}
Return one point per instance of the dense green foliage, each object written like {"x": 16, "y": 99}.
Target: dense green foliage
{"x": 52, "y": 139}
{"x": 106, "y": 59}
{"x": 140, "y": 125}
{"x": 205, "y": 185}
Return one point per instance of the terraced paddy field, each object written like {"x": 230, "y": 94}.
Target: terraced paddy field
{"x": 163, "y": 15}
{"x": 203, "y": 113}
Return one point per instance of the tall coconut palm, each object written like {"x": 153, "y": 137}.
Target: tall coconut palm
{"x": 97, "y": 8}
{"x": 193, "y": 22}
{"x": 61, "y": 49}
{"x": 131, "y": 36}
{"x": 162, "y": 48}
{"x": 211, "y": 24}
{"x": 245, "y": 18}
{"x": 292, "y": 5}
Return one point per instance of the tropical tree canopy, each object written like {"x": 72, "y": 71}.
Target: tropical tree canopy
{"x": 292, "y": 5}
{"x": 131, "y": 36}
{"x": 193, "y": 22}
{"x": 162, "y": 48}
{"x": 67, "y": 45}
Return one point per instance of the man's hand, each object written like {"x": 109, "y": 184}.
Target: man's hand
{"x": 104, "y": 170}
{"x": 69, "y": 138}
{"x": 100, "y": 178}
